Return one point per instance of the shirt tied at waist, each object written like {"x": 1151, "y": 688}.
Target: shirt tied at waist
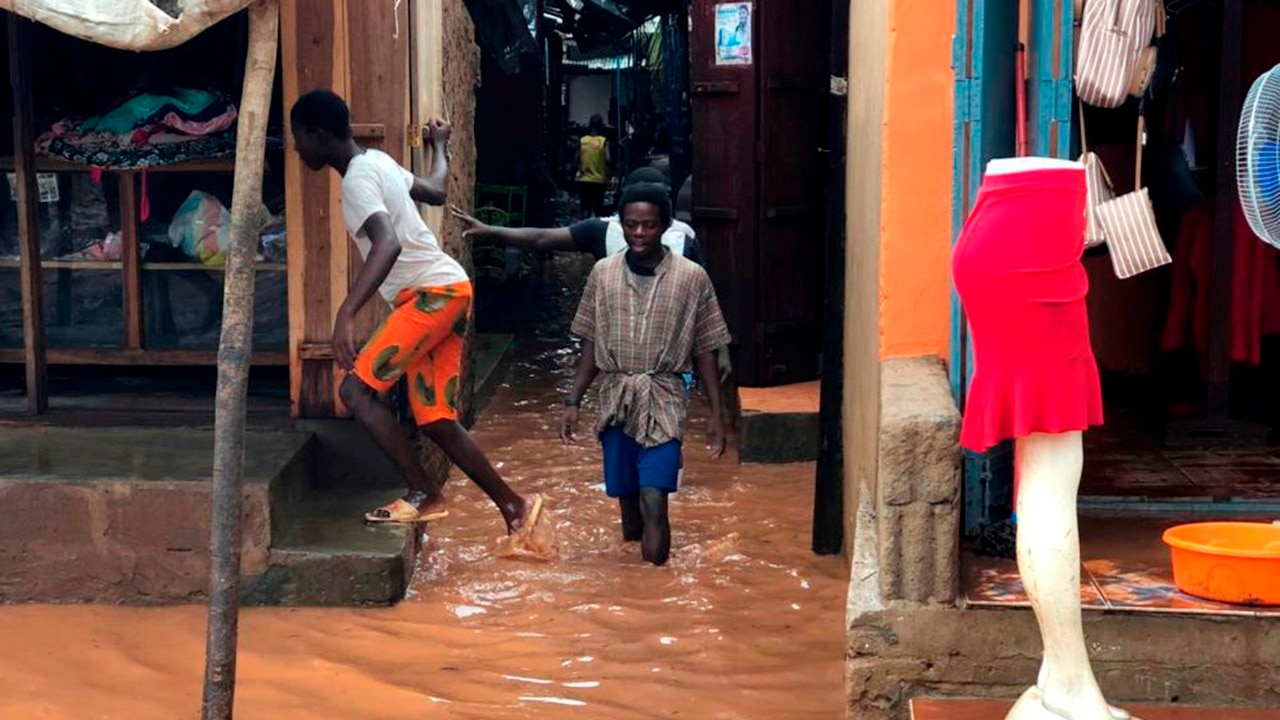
{"x": 642, "y": 403}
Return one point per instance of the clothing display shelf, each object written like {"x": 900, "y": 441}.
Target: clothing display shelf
{"x": 133, "y": 349}
{"x": 203, "y": 165}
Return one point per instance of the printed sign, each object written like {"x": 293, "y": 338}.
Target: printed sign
{"x": 733, "y": 34}
{"x": 46, "y": 185}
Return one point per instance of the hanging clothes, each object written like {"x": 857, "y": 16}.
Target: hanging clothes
{"x": 1255, "y": 288}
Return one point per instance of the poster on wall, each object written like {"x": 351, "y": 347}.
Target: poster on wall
{"x": 733, "y": 34}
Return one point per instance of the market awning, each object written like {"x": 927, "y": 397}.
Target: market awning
{"x": 503, "y": 26}
{"x": 128, "y": 24}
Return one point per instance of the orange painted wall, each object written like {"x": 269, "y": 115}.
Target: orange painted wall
{"x": 915, "y": 252}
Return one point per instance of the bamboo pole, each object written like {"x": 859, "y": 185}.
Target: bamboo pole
{"x": 234, "y": 351}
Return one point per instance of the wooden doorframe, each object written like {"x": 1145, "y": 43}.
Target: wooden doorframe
{"x": 426, "y": 83}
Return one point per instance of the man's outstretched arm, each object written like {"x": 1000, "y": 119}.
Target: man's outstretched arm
{"x": 549, "y": 239}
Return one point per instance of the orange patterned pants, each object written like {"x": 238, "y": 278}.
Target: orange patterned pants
{"x": 421, "y": 338}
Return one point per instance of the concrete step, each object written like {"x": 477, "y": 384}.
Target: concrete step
{"x": 779, "y": 424}
{"x": 327, "y": 555}
{"x": 122, "y": 515}
{"x": 974, "y": 709}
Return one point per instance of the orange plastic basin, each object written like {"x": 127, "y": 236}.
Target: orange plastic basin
{"x": 1231, "y": 562}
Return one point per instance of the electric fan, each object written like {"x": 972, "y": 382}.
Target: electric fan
{"x": 1258, "y": 157}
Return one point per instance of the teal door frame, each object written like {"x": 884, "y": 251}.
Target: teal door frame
{"x": 984, "y": 53}
{"x": 1050, "y": 84}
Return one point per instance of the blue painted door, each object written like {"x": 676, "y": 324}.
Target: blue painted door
{"x": 1051, "y": 91}
{"x": 983, "y": 57}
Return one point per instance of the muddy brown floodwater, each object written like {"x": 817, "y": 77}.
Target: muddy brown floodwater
{"x": 744, "y": 622}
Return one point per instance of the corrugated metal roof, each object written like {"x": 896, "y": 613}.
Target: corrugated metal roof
{"x": 622, "y": 62}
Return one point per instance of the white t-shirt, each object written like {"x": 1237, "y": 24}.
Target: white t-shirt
{"x": 375, "y": 183}
{"x": 674, "y": 238}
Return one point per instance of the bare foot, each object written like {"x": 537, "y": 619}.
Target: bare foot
{"x": 433, "y": 506}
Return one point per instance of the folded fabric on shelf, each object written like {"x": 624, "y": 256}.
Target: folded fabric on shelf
{"x": 148, "y": 130}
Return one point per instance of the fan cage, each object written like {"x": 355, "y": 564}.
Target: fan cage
{"x": 1258, "y": 157}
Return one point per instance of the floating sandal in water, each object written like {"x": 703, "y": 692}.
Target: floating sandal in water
{"x": 533, "y": 540}
{"x": 399, "y": 511}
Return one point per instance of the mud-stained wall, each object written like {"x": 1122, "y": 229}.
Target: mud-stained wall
{"x": 461, "y": 79}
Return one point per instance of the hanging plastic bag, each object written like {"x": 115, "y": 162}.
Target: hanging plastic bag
{"x": 202, "y": 228}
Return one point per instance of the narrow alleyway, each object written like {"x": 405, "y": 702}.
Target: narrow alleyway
{"x": 743, "y": 623}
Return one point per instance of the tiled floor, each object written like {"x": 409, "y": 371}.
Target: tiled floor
{"x": 1126, "y": 568}
{"x": 957, "y": 709}
{"x": 1128, "y": 464}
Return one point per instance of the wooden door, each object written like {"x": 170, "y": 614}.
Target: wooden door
{"x": 724, "y": 182}
{"x": 758, "y": 126}
{"x": 359, "y": 51}
{"x": 792, "y": 173}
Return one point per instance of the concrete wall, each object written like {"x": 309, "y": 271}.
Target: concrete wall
{"x": 1139, "y": 658}
{"x": 915, "y": 262}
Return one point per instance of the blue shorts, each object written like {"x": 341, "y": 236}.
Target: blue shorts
{"x": 629, "y": 467}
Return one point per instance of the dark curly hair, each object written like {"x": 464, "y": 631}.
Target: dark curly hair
{"x": 647, "y": 192}
{"x": 322, "y": 110}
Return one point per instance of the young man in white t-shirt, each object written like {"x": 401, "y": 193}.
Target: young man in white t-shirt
{"x": 431, "y": 296}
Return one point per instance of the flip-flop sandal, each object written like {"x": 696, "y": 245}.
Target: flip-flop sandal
{"x": 518, "y": 544}
{"x": 530, "y": 520}
{"x": 399, "y": 511}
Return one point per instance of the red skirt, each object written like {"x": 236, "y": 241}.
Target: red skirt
{"x": 1018, "y": 273}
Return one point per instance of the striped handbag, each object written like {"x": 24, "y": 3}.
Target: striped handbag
{"x": 1129, "y": 225}
{"x": 1115, "y": 50}
{"x": 1098, "y": 187}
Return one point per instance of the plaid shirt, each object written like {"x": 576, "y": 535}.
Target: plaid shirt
{"x": 646, "y": 331}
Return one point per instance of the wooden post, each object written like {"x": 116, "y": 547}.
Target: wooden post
{"x": 32, "y": 277}
{"x": 131, "y": 255}
{"x": 828, "y": 496}
{"x": 234, "y": 351}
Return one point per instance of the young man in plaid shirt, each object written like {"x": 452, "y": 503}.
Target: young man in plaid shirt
{"x": 645, "y": 317}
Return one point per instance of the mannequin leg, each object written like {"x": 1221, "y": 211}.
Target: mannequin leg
{"x": 1043, "y": 677}
{"x": 1049, "y": 563}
